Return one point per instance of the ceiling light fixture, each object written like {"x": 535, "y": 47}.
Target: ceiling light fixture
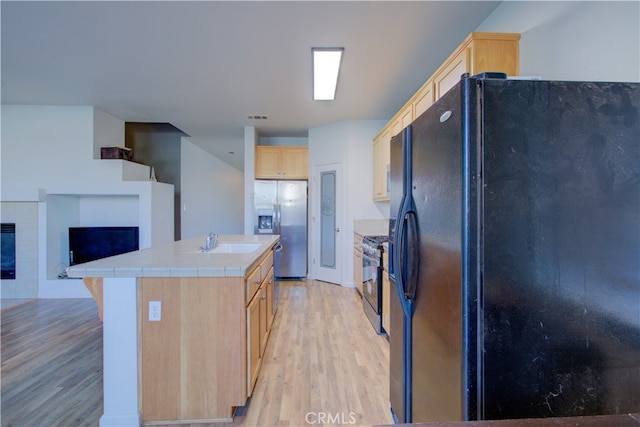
{"x": 326, "y": 66}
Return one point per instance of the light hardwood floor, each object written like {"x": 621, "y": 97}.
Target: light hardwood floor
{"x": 323, "y": 365}
{"x": 51, "y": 364}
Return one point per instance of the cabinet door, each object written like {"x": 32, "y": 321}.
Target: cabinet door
{"x": 402, "y": 120}
{"x": 294, "y": 162}
{"x": 495, "y": 52}
{"x": 386, "y": 295}
{"x": 423, "y": 100}
{"x": 357, "y": 269}
{"x": 270, "y": 284}
{"x": 253, "y": 342}
{"x": 264, "y": 319}
{"x": 267, "y": 162}
{"x": 381, "y": 163}
{"x": 451, "y": 73}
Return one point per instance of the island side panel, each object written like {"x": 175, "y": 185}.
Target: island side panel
{"x": 193, "y": 361}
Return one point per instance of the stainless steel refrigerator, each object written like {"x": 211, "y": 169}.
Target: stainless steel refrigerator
{"x": 280, "y": 207}
{"x": 515, "y": 260}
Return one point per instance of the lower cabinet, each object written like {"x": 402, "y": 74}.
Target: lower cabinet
{"x": 270, "y": 284}
{"x": 202, "y": 359}
{"x": 253, "y": 339}
{"x": 357, "y": 261}
{"x": 259, "y": 320}
{"x": 386, "y": 295}
{"x": 192, "y": 364}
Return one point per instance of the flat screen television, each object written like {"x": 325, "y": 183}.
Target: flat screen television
{"x": 91, "y": 243}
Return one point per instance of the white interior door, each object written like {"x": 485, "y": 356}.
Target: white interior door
{"x": 327, "y": 217}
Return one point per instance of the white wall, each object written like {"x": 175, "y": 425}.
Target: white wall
{"x": 44, "y": 146}
{"x": 349, "y": 143}
{"x": 598, "y": 41}
{"x": 250, "y": 142}
{"x": 287, "y": 141}
{"x": 107, "y": 130}
{"x": 48, "y": 159}
{"x": 212, "y": 193}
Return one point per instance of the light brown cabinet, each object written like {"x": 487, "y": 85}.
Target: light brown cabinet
{"x": 257, "y": 334}
{"x": 478, "y": 53}
{"x": 386, "y": 295}
{"x": 357, "y": 261}
{"x": 381, "y": 166}
{"x": 254, "y": 326}
{"x": 259, "y": 319}
{"x": 278, "y": 162}
{"x": 402, "y": 119}
{"x": 423, "y": 99}
{"x": 185, "y": 370}
{"x": 270, "y": 289}
{"x": 203, "y": 358}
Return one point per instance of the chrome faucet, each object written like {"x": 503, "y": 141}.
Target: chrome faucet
{"x": 211, "y": 242}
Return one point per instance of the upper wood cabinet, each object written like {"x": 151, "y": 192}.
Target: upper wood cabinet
{"x": 381, "y": 165}
{"x": 277, "y": 162}
{"x": 402, "y": 119}
{"x": 422, "y": 100}
{"x": 478, "y": 53}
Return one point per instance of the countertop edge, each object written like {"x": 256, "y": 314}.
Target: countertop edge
{"x": 178, "y": 259}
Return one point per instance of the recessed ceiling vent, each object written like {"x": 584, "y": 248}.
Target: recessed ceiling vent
{"x": 257, "y": 117}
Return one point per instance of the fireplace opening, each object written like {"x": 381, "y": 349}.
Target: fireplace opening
{"x": 8, "y": 251}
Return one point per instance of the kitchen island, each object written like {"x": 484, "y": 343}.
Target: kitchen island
{"x": 184, "y": 330}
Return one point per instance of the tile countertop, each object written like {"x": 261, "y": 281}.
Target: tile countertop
{"x": 178, "y": 259}
{"x": 371, "y": 227}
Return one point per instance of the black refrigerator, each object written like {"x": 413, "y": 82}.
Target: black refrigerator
{"x": 515, "y": 253}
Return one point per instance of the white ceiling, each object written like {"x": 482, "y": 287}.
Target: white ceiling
{"x": 205, "y": 66}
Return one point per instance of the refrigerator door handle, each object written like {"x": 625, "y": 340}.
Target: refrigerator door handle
{"x": 413, "y": 255}
{"x": 400, "y": 252}
{"x": 397, "y": 251}
{"x": 408, "y": 258}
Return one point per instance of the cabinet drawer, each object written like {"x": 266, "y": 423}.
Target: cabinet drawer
{"x": 266, "y": 264}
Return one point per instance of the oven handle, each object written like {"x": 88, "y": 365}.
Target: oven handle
{"x": 374, "y": 260}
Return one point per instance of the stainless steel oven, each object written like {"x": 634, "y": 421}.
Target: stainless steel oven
{"x": 372, "y": 250}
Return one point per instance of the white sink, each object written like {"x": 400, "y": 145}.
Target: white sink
{"x": 236, "y": 248}
{"x": 232, "y": 248}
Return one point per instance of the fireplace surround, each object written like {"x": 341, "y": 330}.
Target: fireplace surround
{"x": 8, "y": 251}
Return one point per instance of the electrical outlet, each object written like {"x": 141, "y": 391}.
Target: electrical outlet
{"x": 155, "y": 311}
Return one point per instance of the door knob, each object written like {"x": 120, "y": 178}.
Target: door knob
{"x": 337, "y": 230}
